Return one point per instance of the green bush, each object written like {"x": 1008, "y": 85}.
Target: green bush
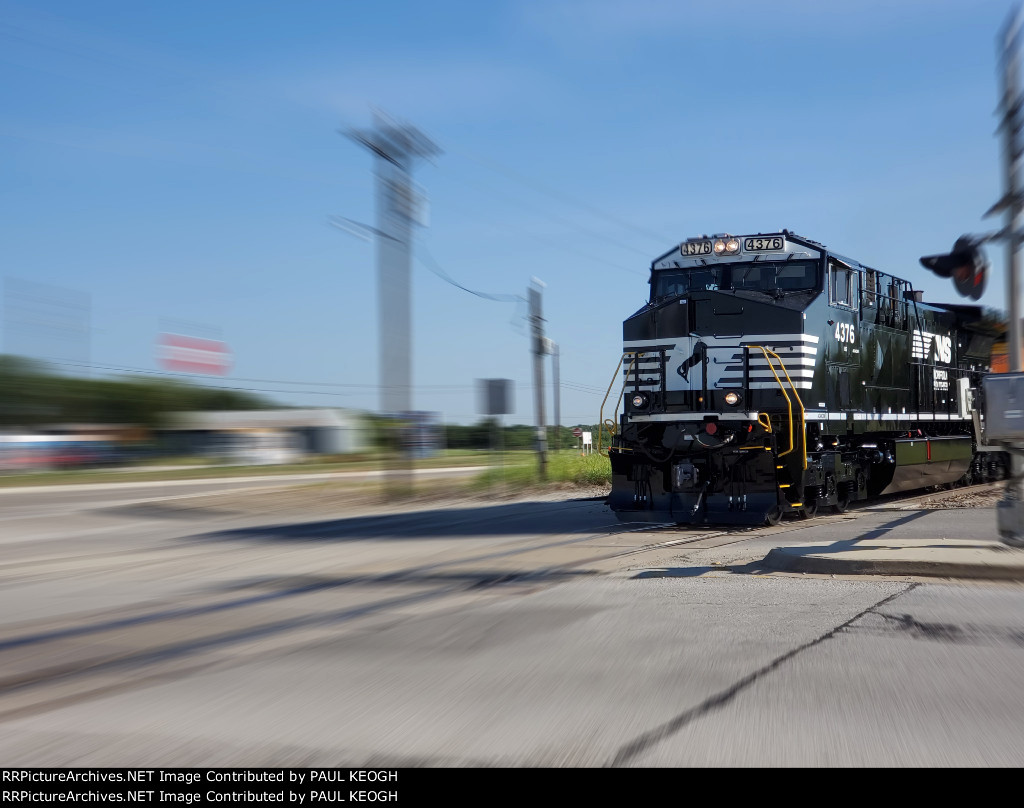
{"x": 591, "y": 469}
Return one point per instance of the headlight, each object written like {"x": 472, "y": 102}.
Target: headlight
{"x": 719, "y": 247}
{"x": 639, "y": 401}
{"x": 732, "y": 399}
{"x": 732, "y": 245}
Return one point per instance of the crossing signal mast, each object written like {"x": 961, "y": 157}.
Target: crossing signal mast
{"x": 967, "y": 265}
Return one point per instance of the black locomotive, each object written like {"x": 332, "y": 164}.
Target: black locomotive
{"x": 769, "y": 375}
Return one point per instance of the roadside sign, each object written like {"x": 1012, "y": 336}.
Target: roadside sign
{"x": 193, "y": 354}
{"x": 577, "y": 433}
{"x": 495, "y": 396}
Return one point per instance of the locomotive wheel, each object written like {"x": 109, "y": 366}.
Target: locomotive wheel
{"x": 809, "y": 511}
{"x": 773, "y": 517}
{"x": 842, "y": 504}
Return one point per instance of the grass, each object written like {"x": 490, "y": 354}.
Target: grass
{"x": 563, "y": 468}
{"x": 184, "y": 460}
{"x": 516, "y": 470}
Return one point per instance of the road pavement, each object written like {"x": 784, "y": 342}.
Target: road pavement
{"x": 284, "y": 627}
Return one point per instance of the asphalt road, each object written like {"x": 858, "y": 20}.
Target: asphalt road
{"x": 501, "y": 633}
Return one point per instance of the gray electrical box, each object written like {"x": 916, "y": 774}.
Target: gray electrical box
{"x": 1004, "y": 408}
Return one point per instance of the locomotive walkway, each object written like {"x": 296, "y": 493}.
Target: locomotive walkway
{"x": 950, "y": 543}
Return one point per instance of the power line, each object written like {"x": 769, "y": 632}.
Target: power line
{"x": 556, "y": 194}
{"x": 585, "y": 230}
{"x": 433, "y": 266}
{"x": 548, "y": 242}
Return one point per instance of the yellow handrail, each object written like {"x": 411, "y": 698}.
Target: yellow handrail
{"x": 789, "y": 403}
{"x": 611, "y": 423}
{"x": 800, "y": 404}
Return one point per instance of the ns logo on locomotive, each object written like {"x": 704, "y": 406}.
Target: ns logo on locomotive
{"x": 769, "y": 375}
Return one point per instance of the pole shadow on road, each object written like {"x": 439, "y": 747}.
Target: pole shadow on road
{"x": 526, "y": 519}
{"x": 510, "y": 519}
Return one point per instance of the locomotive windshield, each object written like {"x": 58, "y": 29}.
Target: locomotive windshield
{"x": 770, "y": 277}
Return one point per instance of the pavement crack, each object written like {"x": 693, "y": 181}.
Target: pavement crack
{"x": 655, "y": 736}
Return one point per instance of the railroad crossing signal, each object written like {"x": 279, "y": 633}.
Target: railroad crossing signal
{"x": 966, "y": 264}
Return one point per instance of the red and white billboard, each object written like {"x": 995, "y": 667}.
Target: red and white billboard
{"x": 186, "y": 354}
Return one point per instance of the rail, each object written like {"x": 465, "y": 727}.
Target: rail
{"x": 789, "y": 403}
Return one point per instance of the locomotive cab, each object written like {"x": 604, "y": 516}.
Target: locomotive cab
{"x": 767, "y": 375}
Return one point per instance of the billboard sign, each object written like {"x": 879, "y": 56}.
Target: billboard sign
{"x": 185, "y": 354}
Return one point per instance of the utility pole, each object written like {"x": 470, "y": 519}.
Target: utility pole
{"x": 396, "y": 148}
{"x": 558, "y": 394}
{"x": 537, "y": 325}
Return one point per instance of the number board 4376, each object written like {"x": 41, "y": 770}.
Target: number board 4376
{"x": 764, "y": 244}
{"x": 695, "y": 248}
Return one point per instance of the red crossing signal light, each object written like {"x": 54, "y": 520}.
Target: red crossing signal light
{"x": 966, "y": 264}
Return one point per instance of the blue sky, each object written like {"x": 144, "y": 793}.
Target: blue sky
{"x": 179, "y": 162}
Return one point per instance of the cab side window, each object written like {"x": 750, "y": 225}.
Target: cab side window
{"x": 843, "y": 285}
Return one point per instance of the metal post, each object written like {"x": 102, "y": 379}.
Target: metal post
{"x": 1011, "y": 155}
{"x": 558, "y": 396}
{"x": 537, "y": 324}
{"x": 1010, "y": 509}
{"x": 501, "y": 449}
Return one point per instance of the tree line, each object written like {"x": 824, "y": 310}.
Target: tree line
{"x": 32, "y": 395}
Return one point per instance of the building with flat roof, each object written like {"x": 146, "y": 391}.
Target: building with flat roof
{"x": 268, "y": 436}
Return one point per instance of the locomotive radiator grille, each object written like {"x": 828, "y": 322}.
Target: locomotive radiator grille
{"x": 799, "y": 352}
{"x": 645, "y": 370}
